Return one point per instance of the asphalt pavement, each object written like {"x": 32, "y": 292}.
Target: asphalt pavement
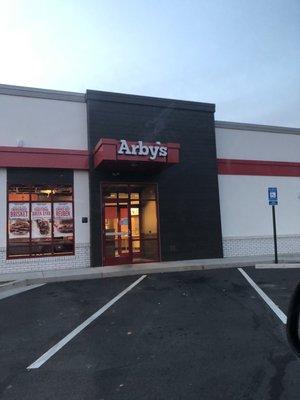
{"x": 192, "y": 335}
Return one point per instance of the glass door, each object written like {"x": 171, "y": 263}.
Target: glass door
{"x": 130, "y": 223}
{"x": 117, "y": 245}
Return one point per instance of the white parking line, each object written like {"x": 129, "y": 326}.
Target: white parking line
{"x": 45, "y": 357}
{"x": 263, "y": 295}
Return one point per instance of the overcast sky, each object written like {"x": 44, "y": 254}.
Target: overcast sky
{"x": 242, "y": 55}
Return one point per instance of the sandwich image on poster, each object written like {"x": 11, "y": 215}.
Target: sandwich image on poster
{"x": 41, "y": 216}
{"x": 63, "y": 219}
{"x": 18, "y": 220}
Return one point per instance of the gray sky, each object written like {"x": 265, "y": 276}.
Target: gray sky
{"x": 242, "y": 55}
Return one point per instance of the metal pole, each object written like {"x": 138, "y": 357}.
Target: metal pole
{"x": 275, "y": 234}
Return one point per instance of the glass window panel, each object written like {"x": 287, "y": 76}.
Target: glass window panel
{"x": 41, "y": 248}
{"x": 123, "y": 195}
{"x": 135, "y": 226}
{"x": 62, "y": 193}
{"x": 110, "y": 196}
{"x": 149, "y": 219}
{"x": 110, "y": 204}
{"x": 19, "y": 249}
{"x": 63, "y": 247}
{"x": 33, "y": 235}
{"x": 18, "y": 197}
{"x": 136, "y": 246}
{"x": 149, "y": 250}
{"x": 111, "y": 247}
{"x": 18, "y": 193}
{"x": 148, "y": 193}
{"x": 42, "y": 193}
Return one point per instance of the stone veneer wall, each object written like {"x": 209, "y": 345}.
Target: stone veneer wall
{"x": 81, "y": 259}
{"x": 260, "y": 245}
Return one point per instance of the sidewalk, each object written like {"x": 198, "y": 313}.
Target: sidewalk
{"x": 36, "y": 277}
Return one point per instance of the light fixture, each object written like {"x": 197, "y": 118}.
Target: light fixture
{"x": 46, "y": 191}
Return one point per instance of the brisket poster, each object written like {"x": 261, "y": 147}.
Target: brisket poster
{"x": 63, "y": 219}
{"x": 18, "y": 221}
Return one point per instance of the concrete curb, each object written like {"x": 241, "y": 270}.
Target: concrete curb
{"x": 12, "y": 285}
{"x": 63, "y": 276}
{"x": 278, "y": 266}
{"x": 38, "y": 277}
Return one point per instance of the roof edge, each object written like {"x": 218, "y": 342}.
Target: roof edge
{"x": 115, "y": 97}
{"x": 49, "y": 94}
{"x": 256, "y": 127}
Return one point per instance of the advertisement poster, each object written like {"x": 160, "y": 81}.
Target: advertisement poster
{"x": 41, "y": 216}
{"x": 18, "y": 221}
{"x": 63, "y": 219}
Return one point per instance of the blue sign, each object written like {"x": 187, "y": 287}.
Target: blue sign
{"x": 272, "y": 196}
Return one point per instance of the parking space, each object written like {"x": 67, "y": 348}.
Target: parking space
{"x": 276, "y": 283}
{"x": 192, "y": 335}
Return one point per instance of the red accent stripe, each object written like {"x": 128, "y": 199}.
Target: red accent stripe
{"x": 30, "y": 157}
{"x": 257, "y": 167}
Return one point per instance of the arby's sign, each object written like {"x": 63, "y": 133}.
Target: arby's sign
{"x": 123, "y": 152}
{"x": 140, "y": 149}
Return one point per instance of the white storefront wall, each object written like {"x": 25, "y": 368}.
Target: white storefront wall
{"x": 46, "y": 123}
{"x": 258, "y": 145}
{"x": 42, "y": 123}
{"x": 245, "y": 214}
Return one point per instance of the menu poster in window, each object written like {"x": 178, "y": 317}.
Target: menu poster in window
{"x": 63, "y": 219}
{"x": 18, "y": 221}
{"x": 41, "y": 216}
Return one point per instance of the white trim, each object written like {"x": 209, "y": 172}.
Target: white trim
{"x": 240, "y": 126}
{"x": 22, "y": 91}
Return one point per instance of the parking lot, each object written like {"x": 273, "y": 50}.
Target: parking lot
{"x": 191, "y": 335}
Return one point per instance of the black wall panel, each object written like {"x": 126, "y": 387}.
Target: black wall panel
{"x": 188, "y": 192}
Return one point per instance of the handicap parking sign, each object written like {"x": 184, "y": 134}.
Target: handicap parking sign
{"x": 272, "y": 196}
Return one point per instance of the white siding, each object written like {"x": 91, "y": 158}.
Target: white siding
{"x": 42, "y": 123}
{"x": 245, "y": 210}
{"x": 246, "y": 216}
{"x": 255, "y": 145}
{"x": 82, "y": 206}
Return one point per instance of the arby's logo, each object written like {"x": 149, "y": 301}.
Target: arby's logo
{"x": 140, "y": 149}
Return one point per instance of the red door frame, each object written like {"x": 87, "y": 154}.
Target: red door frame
{"x": 123, "y": 259}
{"x": 111, "y": 261}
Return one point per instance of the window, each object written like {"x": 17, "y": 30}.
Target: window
{"x": 40, "y": 220}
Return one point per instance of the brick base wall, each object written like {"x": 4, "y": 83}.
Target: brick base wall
{"x": 260, "y": 245}
{"x": 81, "y": 259}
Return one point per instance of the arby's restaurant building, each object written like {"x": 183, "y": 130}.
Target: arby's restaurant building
{"x": 104, "y": 178}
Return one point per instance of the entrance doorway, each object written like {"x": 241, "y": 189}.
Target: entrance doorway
{"x": 130, "y": 223}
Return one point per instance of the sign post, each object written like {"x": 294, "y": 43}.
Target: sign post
{"x": 273, "y": 201}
